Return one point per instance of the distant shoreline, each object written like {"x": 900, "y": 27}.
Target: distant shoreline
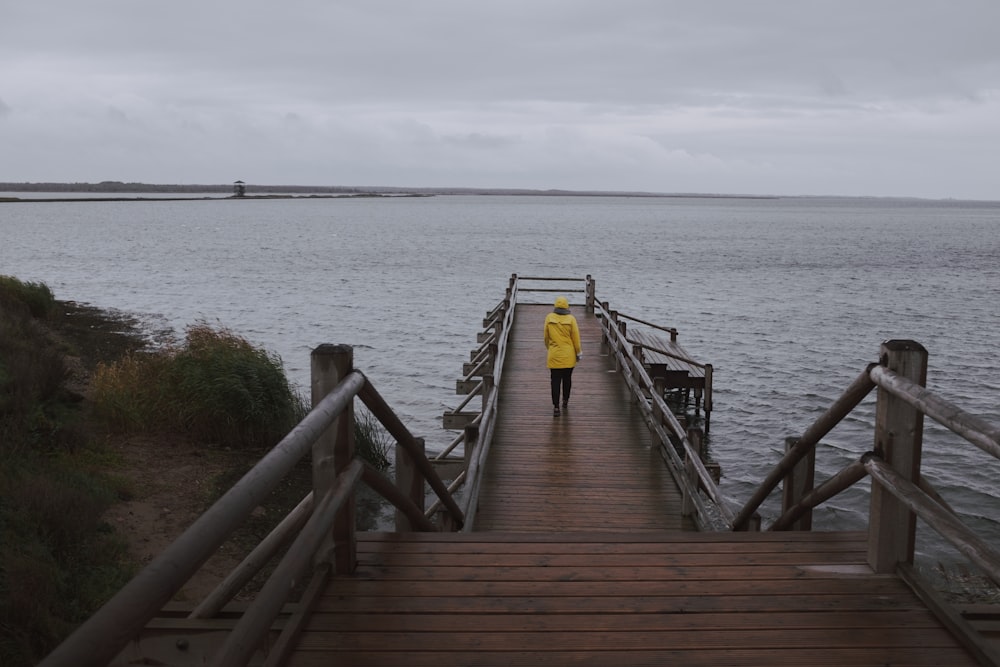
{"x": 26, "y": 200}
{"x": 117, "y": 191}
{"x": 111, "y": 191}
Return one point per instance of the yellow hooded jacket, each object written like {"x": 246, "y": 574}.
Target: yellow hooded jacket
{"x": 562, "y": 336}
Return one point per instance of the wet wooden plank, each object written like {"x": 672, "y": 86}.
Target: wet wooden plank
{"x": 621, "y": 598}
{"x": 748, "y": 657}
{"x": 592, "y": 467}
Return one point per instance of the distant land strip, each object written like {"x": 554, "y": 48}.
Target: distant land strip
{"x": 118, "y": 188}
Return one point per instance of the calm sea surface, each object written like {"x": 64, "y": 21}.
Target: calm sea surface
{"x": 787, "y": 298}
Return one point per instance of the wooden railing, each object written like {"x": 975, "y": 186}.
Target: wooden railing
{"x": 658, "y": 349}
{"x": 681, "y": 448}
{"x": 487, "y": 363}
{"x": 478, "y": 433}
{"x": 702, "y": 499}
{"x": 899, "y": 490}
{"x": 321, "y": 532}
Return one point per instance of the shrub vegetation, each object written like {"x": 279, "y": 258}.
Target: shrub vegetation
{"x": 216, "y": 387}
{"x": 58, "y": 559}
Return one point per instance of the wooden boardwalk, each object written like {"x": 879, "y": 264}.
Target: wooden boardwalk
{"x": 591, "y": 468}
{"x": 580, "y": 557}
{"x": 601, "y": 599}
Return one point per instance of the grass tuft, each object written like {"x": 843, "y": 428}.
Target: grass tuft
{"x": 371, "y": 441}
{"x": 217, "y": 388}
{"x": 34, "y": 298}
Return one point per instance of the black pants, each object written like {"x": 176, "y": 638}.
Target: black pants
{"x": 561, "y": 377}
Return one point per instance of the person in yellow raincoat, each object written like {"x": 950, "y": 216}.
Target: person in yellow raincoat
{"x": 562, "y": 340}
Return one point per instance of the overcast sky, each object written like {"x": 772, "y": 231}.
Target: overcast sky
{"x": 841, "y": 97}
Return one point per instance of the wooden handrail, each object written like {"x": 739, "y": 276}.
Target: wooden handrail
{"x": 850, "y": 399}
{"x": 482, "y": 352}
{"x": 477, "y": 369}
{"x": 974, "y": 429}
{"x": 944, "y": 522}
{"x": 660, "y": 350}
{"x": 378, "y": 482}
{"x": 671, "y": 330}
{"x": 476, "y": 391}
{"x": 477, "y": 460}
{"x": 546, "y": 290}
{"x": 843, "y": 480}
{"x": 455, "y": 442}
{"x": 98, "y": 639}
{"x": 245, "y": 637}
{"x": 918, "y": 497}
{"x": 455, "y": 484}
{"x": 255, "y": 560}
{"x": 631, "y": 369}
{"x": 618, "y": 316}
{"x": 378, "y": 406}
{"x": 487, "y": 417}
{"x": 900, "y": 493}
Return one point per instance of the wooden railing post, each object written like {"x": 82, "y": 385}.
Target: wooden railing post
{"x": 591, "y": 295}
{"x": 691, "y": 473}
{"x": 797, "y": 484}
{"x": 898, "y": 440}
{"x": 622, "y": 328}
{"x": 697, "y": 440}
{"x": 487, "y": 389}
{"x": 708, "y": 397}
{"x": 470, "y": 436}
{"x": 604, "y": 336}
{"x": 333, "y": 451}
{"x": 658, "y": 417}
{"x": 410, "y": 482}
{"x": 637, "y": 352}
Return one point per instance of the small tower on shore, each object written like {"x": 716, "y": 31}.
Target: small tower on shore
{"x": 239, "y": 189}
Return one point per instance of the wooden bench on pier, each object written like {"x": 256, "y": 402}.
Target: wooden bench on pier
{"x": 665, "y": 359}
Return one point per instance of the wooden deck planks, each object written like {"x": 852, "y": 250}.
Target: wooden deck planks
{"x": 647, "y": 598}
{"x": 590, "y": 468}
{"x": 579, "y": 558}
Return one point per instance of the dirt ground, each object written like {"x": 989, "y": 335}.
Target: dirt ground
{"x": 173, "y": 484}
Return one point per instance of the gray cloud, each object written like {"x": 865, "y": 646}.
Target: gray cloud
{"x": 889, "y": 98}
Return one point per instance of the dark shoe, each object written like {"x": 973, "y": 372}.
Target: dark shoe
{"x": 555, "y": 411}
{"x": 565, "y": 404}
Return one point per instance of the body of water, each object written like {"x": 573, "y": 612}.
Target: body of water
{"x": 789, "y": 299}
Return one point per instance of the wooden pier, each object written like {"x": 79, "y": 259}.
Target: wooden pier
{"x": 563, "y": 540}
{"x": 592, "y": 468}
